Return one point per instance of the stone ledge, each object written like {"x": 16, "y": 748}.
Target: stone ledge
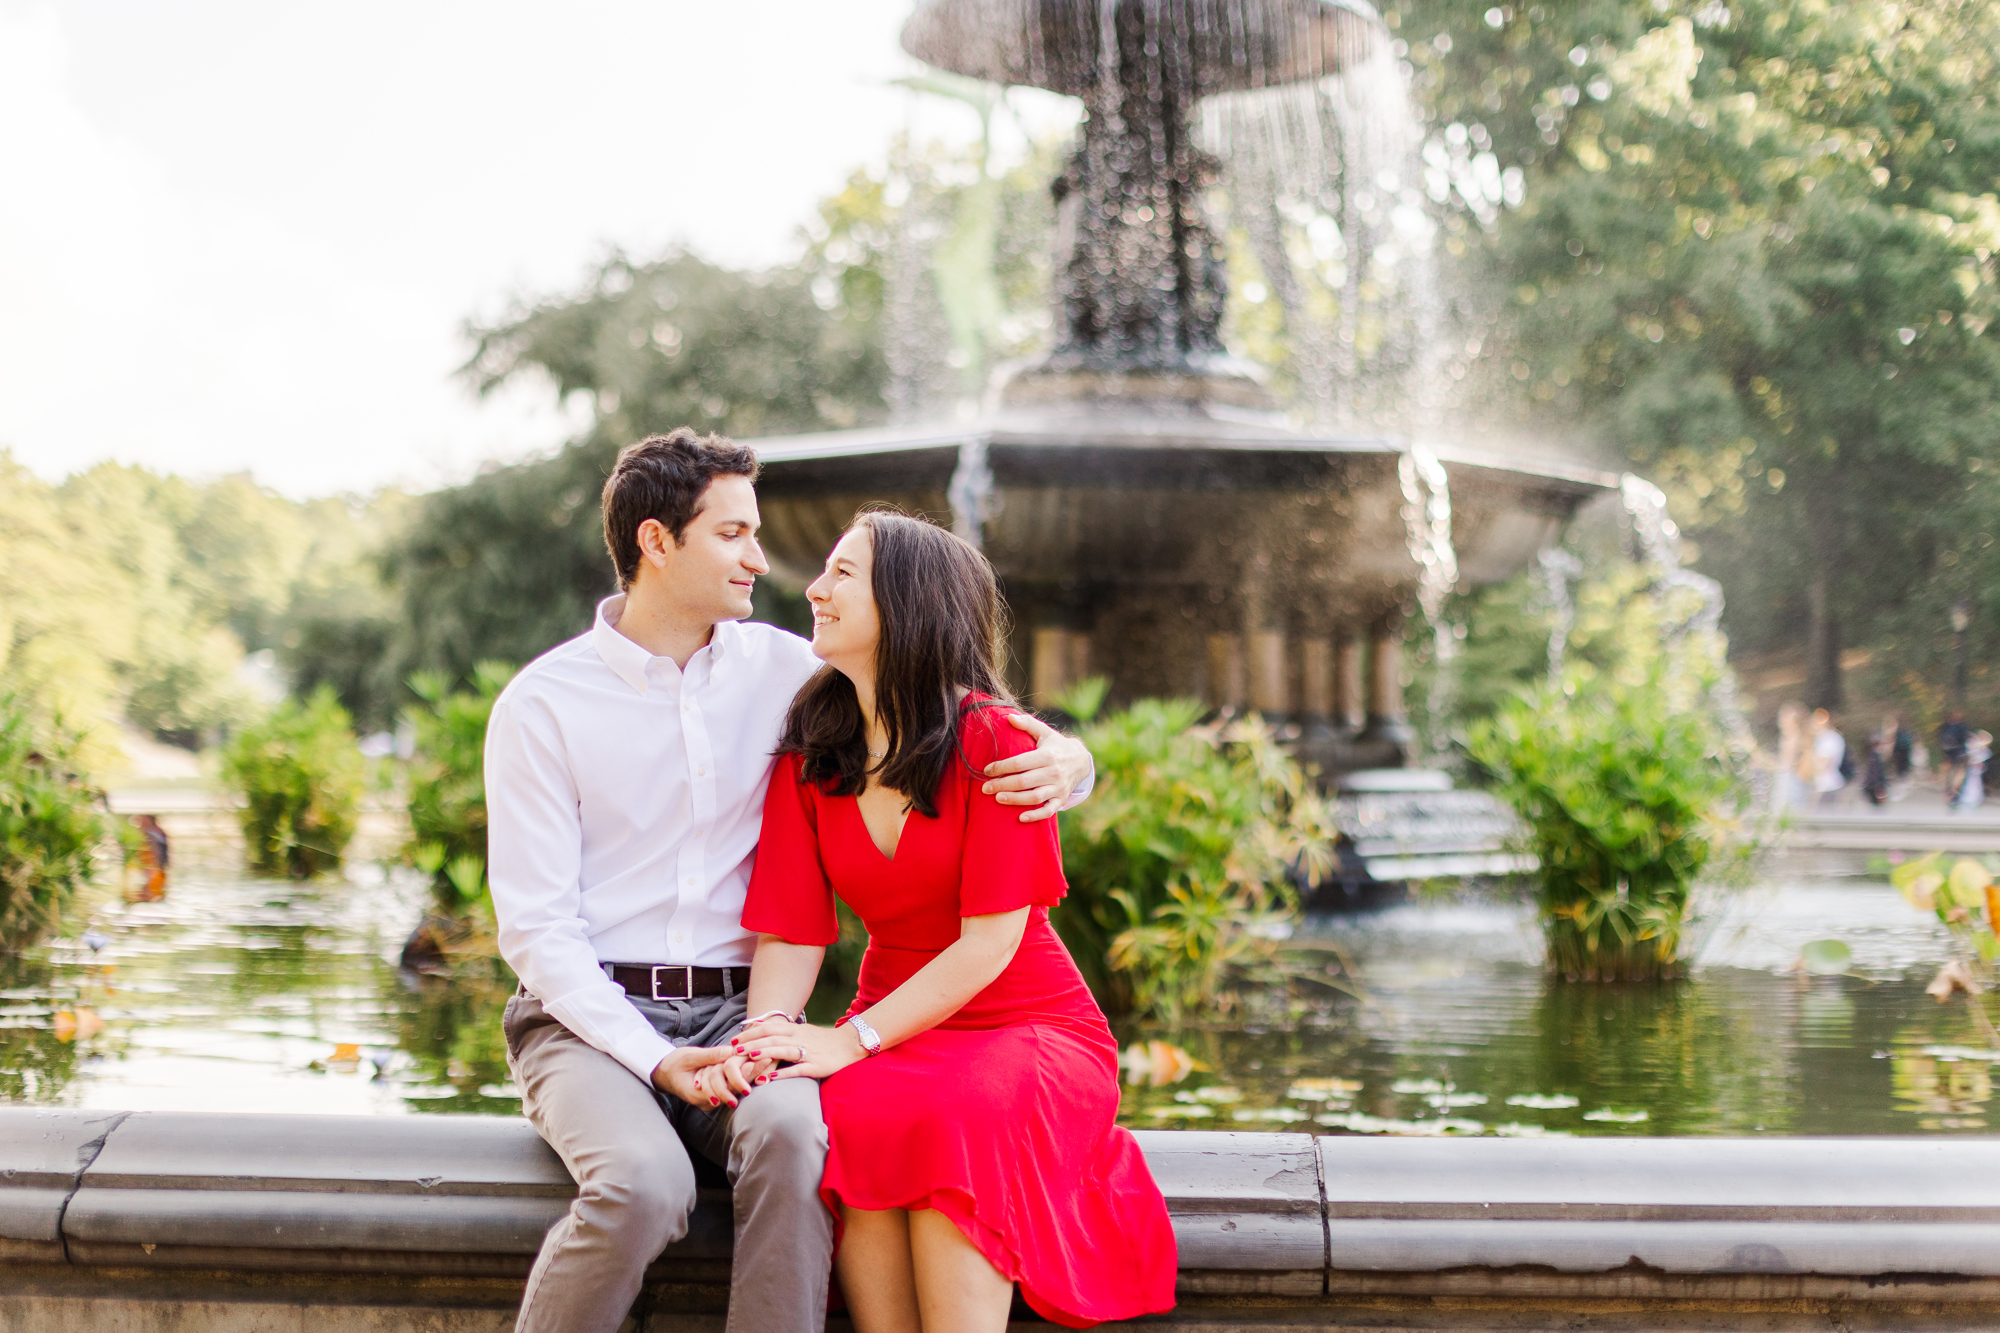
{"x": 446, "y": 1212}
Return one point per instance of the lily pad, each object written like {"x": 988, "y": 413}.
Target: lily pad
{"x": 1827, "y": 958}
{"x": 1538, "y": 1101}
{"x": 1617, "y": 1117}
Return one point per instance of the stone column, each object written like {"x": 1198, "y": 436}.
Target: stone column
{"x": 1316, "y": 693}
{"x": 1268, "y": 692}
{"x": 1048, "y": 664}
{"x": 1059, "y": 659}
{"x": 1347, "y": 711}
{"x": 1385, "y": 683}
{"x": 1263, "y": 636}
{"x": 1225, "y": 671}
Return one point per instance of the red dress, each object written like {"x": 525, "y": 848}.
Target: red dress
{"x": 1003, "y": 1116}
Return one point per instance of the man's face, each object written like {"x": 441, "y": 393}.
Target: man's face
{"x": 709, "y": 574}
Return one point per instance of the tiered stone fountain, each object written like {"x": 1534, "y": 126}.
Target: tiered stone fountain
{"x": 1153, "y": 516}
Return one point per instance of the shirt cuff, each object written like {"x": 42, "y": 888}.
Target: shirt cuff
{"x": 642, "y": 1054}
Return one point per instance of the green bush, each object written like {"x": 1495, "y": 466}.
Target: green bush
{"x": 51, "y": 821}
{"x": 300, "y": 775}
{"x": 1624, "y": 787}
{"x": 1179, "y": 864}
{"x": 448, "y": 783}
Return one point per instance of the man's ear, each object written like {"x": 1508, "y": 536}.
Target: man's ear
{"x": 656, "y": 544}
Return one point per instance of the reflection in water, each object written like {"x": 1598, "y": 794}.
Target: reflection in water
{"x": 237, "y": 994}
{"x": 257, "y": 995}
{"x": 1459, "y": 1031}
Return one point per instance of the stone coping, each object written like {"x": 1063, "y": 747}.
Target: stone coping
{"x": 1274, "y": 1215}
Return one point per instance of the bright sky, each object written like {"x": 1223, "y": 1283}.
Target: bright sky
{"x": 245, "y": 235}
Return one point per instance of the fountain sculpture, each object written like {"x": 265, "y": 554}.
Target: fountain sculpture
{"x": 1153, "y": 516}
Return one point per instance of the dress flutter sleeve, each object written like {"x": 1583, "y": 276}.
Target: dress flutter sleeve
{"x": 789, "y": 894}
{"x": 1008, "y": 865}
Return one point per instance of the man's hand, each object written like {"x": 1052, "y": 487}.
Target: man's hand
{"x": 1042, "y": 777}
{"x": 681, "y": 1074}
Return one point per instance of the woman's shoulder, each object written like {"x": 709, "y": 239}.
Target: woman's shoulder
{"x": 984, "y": 732}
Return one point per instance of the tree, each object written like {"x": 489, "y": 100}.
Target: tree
{"x": 1756, "y": 254}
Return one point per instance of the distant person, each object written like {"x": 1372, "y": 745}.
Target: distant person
{"x": 1791, "y": 787}
{"x": 1831, "y": 766}
{"x": 153, "y": 856}
{"x": 1875, "y": 773}
{"x": 1902, "y": 747}
{"x": 1952, "y": 739}
{"x": 1978, "y": 753}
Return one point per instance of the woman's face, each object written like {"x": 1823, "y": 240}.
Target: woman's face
{"x": 845, "y": 624}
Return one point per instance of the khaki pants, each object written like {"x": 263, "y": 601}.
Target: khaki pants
{"x": 627, "y": 1146}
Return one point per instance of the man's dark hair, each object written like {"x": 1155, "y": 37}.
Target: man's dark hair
{"x": 663, "y": 477}
{"x": 944, "y": 629}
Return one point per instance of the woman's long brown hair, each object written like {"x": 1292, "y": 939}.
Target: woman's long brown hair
{"x": 942, "y": 631}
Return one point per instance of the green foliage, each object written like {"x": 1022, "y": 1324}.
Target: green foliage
{"x": 1754, "y": 252}
{"x": 299, "y": 773}
{"x": 1622, "y": 784}
{"x": 51, "y": 821}
{"x": 1179, "y": 862}
{"x": 123, "y": 592}
{"x": 447, "y": 801}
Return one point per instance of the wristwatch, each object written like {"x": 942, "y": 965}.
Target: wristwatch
{"x": 871, "y": 1041}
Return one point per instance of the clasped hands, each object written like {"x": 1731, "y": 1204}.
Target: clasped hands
{"x": 764, "y": 1052}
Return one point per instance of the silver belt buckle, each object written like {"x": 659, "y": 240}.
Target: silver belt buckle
{"x": 687, "y": 982}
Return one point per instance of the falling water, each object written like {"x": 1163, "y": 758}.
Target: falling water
{"x": 1427, "y": 525}
{"x": 1658, "y": 539}
{"x": 1559, "y": 568}
{"x": 1325, "y": 178}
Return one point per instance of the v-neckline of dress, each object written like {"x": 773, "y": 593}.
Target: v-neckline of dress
{"x": 868, "y": 834}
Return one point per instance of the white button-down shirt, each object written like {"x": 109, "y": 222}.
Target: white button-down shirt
{"x": 624, "y": 796}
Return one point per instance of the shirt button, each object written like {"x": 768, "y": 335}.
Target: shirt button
{"x": 690, "y": 879}
{"x": 701, "y": 772}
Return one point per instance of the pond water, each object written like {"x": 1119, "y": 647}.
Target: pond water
{"x": 241, "y": 994}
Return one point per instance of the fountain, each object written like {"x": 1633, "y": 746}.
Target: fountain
{"x": 1154, "y": 516}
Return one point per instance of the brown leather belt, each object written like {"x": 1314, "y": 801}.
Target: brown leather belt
{"x": 671, "y": 981}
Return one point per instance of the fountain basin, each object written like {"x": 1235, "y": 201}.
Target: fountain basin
{"x": 1182, "y": 551}
{"x": 236, "y": 1222}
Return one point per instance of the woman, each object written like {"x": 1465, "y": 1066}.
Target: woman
{"x": 972, "y": 1088}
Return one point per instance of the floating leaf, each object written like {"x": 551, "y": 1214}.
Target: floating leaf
{"x": 1443, "y": 1100}
{"x": 1414, "y": 1085}
{"x": 1216, "y": 1094}
{"x": 1536, "y": 1101}
{"x": 1177, "y": 1110}
{"x": 1322, "y": 1089}
{"x": 1616, "y": 1117}
{"x": 1827, "y": 958}
{"x": 1284, "y": 1115}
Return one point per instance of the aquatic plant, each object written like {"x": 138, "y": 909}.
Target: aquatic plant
{"x": 1180, "y": 863}
{"x": 1966, "y": 899}
{"x": 1625, "y": 791}
{"x": 51, "y": 821}
{"x": 447, "y": 776}
{"x": 300, "y": 774}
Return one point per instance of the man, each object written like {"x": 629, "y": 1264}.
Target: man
{"x": 1953, "y": 737}
{"x": 625, "y": 776}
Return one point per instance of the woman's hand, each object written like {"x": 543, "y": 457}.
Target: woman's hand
{"x": 803, "y": 1050}
{"x": 679, "y": 1074}
{"x": 1042, "y": 777}
{"x": 722, "y": 1084}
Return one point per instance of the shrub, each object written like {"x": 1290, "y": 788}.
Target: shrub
{"x": 1179, "y": 864}
{"x": 51, "y": 821}
{"x": 448, "y": 783}
{"x": 1622, "y": 786}
{"x": 300, "y": 775}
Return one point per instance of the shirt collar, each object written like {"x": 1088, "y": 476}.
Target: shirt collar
{"x": 628, "y": 660}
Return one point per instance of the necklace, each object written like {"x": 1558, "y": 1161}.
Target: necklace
{"x": 878, "y": 754}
